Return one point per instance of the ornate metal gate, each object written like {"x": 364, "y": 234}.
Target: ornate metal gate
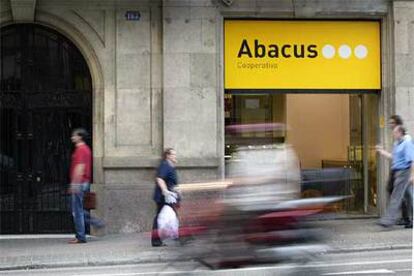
{"x": 45, "y": 92}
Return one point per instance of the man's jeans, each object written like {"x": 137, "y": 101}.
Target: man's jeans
{"x": 81, "y": 216}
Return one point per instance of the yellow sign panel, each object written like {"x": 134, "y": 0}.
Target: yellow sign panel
{"x": 267, "y": 54}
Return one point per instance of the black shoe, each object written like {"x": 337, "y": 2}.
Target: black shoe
{"x": 409, "y": 225}
{"x": 158, "y": 244}
{"x": 403, "y": 221}
{"x": 387, "y": 226}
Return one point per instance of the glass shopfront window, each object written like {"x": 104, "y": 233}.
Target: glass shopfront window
{"x": 243, "y": 109}
{"x": 333, "y": 135}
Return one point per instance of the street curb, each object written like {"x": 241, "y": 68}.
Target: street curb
{"x": 151, "y": 259}
{"x": 88, "y": 264}
{"x": 368, "y": 249}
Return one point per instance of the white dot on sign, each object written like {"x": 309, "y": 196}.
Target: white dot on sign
{"x": 328, "y": 51}
{"x": 345, "y": 51}
{"x": 361, "y": 51}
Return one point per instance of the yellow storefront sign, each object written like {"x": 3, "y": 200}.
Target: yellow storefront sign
{"x": 268, "y": 54}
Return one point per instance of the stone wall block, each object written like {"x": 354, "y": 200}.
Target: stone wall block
{"x": 176, "y": 70}
{"x": 240, "y": 5}
{"x": 23, "y": 10}
{"x": 402, "y": 96}
{"x": 203, "y": 13}
{"x": 176, "y": 3}
{"x": 403, "y": 10}
{"x": 410, "y": 105}
{"x": 177, "y": 13}
{"x": 193, "y": 138}
{"x": 209, "y": 35}
{"x": 182, "y": 36}
{"x": 95, "y": 19}
{"x": 410, "y": 36}
{"x": 203, "y": 70}
{"x": 203, "y": 3}
{"x": 401, "y": 37}
{"x": 191, "y": 105}
{"x": 404, "y": 70}
{"x": 133, "y": 36}
{"x": 309, "y": 8}
{"x": 129, "y": 210}
{"x": 5, "y": 5}
{"x": 404, "y": 4}
{"x": 410, "y": 127}
{"x": 133, "y": 71}
{"x": 133, "y": 117}
{"x": 281, "y": 6}
{"x": 187, "y": 176}
{"x": 156, "y": 32}
{"x": 131, "y": 177}
{"x": 157, "y": 106}
{"x": 156, "y": 70}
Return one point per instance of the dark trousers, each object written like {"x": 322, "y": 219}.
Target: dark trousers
{"x": 155, "y": 238}
{"x": 405, "y": 214}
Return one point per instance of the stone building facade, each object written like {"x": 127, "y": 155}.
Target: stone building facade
{"x": 158, "y": 82}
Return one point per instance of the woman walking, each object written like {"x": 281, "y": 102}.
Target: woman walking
{"x": 165, "y": 182}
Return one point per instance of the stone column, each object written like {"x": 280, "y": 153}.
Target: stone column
{"x": 190, "y": 98}
{"x": 404, "y": 61}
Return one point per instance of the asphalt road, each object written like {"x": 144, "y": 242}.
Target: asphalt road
{"x": 395, "y": 262}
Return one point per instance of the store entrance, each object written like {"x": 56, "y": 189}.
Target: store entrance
{"x": 334, "y": 136}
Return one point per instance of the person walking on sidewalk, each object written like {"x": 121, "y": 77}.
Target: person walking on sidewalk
{"x": 165, "y": 182}
{"x": 80, "y": 178}
{"x": 396, "y": 120}
{"x": 402, "y": 166}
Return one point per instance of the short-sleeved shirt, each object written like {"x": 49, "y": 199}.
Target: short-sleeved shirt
{"x": 167, "y": 173}
{"x": 402, "y": 154}
{"x": 82, "y": 155}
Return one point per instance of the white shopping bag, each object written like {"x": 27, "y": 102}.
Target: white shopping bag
{"x": 167, "y": 223}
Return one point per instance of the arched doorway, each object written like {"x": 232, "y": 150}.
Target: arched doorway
{"x": 46, "y": 91}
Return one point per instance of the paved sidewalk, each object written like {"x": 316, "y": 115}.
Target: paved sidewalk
{"x": 345, "y": 236}
{"x": 363, "y": 234}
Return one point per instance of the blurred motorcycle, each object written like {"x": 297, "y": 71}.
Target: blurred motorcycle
{"x": 233, "y": 238}
{"x": 256, "y": 216}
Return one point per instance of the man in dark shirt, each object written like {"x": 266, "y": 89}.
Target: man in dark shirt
{"x": 166, "y": 180}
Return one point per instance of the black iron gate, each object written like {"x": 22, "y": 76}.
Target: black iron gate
{"x": 45, "y": 92}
